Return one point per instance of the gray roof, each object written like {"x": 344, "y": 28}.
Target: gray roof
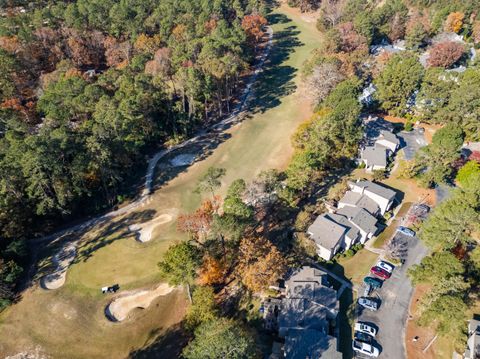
{"x": 473, "y": 326}
{"x": 360, "y": 217}
{"x": 326, "y": 232}
{"x": 375, "y": 155}
{"x": 376, "y": 188}
{"x": 356, "y": 199}
{"x": 311, "y": 344}
{"x": 302, "y": 313}
{"x": 389, "y": 136}
{"x": 312, "y": 284}
{"x": 352, "y": 231}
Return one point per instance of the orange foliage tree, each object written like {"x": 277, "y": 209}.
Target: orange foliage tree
{"x": 212, "y": 271}
{"x": 198, "y": 224}
{"x": 454, "y": 22}
{"x": 148, "y": 44}
{"x": 253, "y": 26}
{"x": 445, "y": 54}
{"x": 260, "y": 263}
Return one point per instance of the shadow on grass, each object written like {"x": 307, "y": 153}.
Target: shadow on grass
{"x": 166, "y": 345}
{"x": 345, "y": 319}
{"x": 110, "y": 232}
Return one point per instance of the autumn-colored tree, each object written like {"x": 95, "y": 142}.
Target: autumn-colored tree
{"x": 260, "y": 263}
{"x": 212, "y": 271}
{"x": 161, "y": 63}
{"x": 476, "y": 32}
{"x": 396, "y": 27}
{"x": 454, "y": 22}
{"x": 211, "y": 25}
{"x": 351, "y": 40}
{"x": 198, "y": 224}
{"x": 10, "y": 44}
{"x": 445, "y": 54}
{"x": 116, "y": 52}
{"x": 148, "y": 44}
{"x": 253, "y": 26}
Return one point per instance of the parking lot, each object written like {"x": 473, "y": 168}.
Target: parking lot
{"x": 394, "y": 296}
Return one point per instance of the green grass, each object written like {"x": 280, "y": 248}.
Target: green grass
{"x": 110, "y": 255}
{"x": 391, "y": 229}
{"x": 357, "y": 267}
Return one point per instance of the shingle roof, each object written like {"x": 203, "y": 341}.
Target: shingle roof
{"x": 326, "y": 232}
{"x": 312, "y": 344}
{"x": 376, "y": 188}
{"x": 375, "y": 155}
{"x": 389, "y": 136}
{"x": 360, "y": 217}
{"x": 302, "y": 313}
{"x": 356, "y": 199}
{"x": 352, "y": 231}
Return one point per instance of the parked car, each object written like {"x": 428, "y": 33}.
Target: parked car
{"x": 372, "y": 281}
{"x": 382, "y": 273}
{"x": 363, "y": 337}
{"x": 368, "y": 303}
{"x": 406, "y": 231}
{"x": 365, "y": 328}
{"x": 385, "y": 266}
{"x": 365, "y": 348}
{"x": 368, "y": 289}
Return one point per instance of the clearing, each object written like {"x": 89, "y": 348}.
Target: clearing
{"x": 70, "y": 322}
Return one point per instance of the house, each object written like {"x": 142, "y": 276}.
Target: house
{"x": 473, "y": 342}
{"x": 388, "y": 140}
{"x": 355, "y": 199}
{"x": 331, "y": 233}
{"x": 374, "y": 158}
{"x": 362, "y": 220}
{"x": 382, "y": 196}
{"x": 305, "y": 315}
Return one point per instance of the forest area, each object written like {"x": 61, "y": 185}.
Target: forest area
{"x": 88, "y": 87}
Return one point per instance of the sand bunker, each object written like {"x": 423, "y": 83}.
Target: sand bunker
{"x": 185, "y": 159}
{"x": 62, "y": 260}
{"x": 144, "y": 230}
{"x": 119, "y": 308}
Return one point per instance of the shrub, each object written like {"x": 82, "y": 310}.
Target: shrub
{"x": 445, "y": 54}
{"x": 408, "y": 126}
{"x": 349, "y": 253}
{"x": 379, "y": 175}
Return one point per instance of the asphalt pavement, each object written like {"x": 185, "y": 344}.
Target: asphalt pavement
{"x": 411, "y": 142}
{"x": 395, "y": 296}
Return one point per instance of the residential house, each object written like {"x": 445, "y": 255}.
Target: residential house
{"x": 309, "y": 307}
{"x": 374, "y": 158}
{"x": 382, "y": 196}
{"x": 331, "y": 234}
{"x": 473, "y": 342}
{"x": 355, "y": 199}
{"x": 362, "y": 220}
{"x": 389, "y": 140}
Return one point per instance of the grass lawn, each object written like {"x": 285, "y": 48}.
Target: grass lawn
{"x": 357, "y": 267}
{"x": 390, "y": 230}
{"x": 70, "y": 322}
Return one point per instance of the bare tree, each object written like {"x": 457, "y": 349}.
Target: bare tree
{"x": 323, "y": 79}
{"x": 397, "y": 248}
{"x": 331, "y": 12}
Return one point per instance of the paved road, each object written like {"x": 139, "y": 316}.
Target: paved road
{"x": 412, "y": 142}
{"x": 395, "y": 295}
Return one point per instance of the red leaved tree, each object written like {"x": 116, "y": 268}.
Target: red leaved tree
{"x": 445, "y": 54}
{"x": 253, "y": 26}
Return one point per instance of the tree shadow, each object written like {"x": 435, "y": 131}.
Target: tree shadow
{"x": 344, "y": 318}
{"x": 276, "y": 80}
{"x": 110, "y": 232}
{"x": 166, "y": 345}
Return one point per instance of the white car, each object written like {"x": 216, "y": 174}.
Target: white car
{"x": 386, "y": 266}
{"x": 365, "y": 348}
{"x": 365, "y": 328}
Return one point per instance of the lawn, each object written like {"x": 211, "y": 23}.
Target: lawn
{"x": 357, "y": 267}
{"x": 391, "y": 229}
{"x": 70, "y": 322}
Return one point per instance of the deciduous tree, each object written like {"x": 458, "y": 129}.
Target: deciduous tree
{"x": 445, "y": 54}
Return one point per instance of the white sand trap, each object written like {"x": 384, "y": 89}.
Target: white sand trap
{"x": 144, "y": 230}
{"x": 183, "y": 160}
{"x": 62, "y": 260}
{"x": 119, "y": 308}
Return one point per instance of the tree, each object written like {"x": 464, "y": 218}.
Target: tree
{"x": 234, "y": 204}
{"x": 397, "y": 82}
{"x": 254, "y": 25}
{"x": 180, "y": 264}
{"x": 416, "y": 36}
{"x": 448, "y": 312}
{"x": 469, "y": 173}
{"x": 397, "y": 248}
{"x": 331, "y": 12}
{"x": 323, "y": 79}
{"x": 445, "y": 54}
{"x": 221, "y": 338}
{"x": 436, "y": 267}
{"x": 476, "y": 32}
{"x": 260, "y": 263}
{"x": 198, "y": 224}
{"x": 212, "y": 271}
{"x": 454, "y": 22}
{"x": 211, "y": 180}
{"x": 203, "y": 308}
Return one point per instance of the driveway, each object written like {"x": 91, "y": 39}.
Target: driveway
{"x": 395, "y": 297}
{"x": 411, "y": 142}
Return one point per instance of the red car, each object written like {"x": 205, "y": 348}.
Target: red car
{"x": 379, "y": 272}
